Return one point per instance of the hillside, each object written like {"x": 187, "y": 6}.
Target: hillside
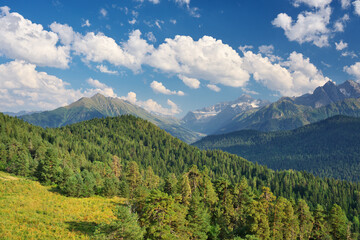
{"x": 100, "y": 106}
{"x": 31, "y": 211}
{"x": 329, "y": 148}
{"x": 206, "y": 194}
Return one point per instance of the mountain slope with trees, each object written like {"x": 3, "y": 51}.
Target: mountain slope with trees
{"x": 100, "y": 106}
{"x": 176, "y": 190}
{"x": 329, "y": 148}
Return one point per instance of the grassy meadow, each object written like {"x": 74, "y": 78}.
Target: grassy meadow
{"x": 29, "y": 210}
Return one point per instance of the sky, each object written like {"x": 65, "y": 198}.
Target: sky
{"x": 173, "y": 56}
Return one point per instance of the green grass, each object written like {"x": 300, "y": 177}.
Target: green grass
{"x": 29, "y": 210}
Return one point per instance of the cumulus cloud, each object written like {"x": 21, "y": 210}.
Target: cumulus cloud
{"x": 213, "y": 87}
{"x": 158, "y": 87}
{"x": 292, "y": 77}
{"x": 273, "y": 76}
{"x": 356, "y": 4}
{"x": 100, "y": 48}
{"x": 312, "y": 3}
{"x": 99, "y": 88}
{"x": 207, "y": 59}
{"x": 190, "y": 82}
{"x": 24, "y": 88}
{"x": 305, "y": 76}
{"x": 309, "y": 26}
{"x": 104, "y": 69}
{"x": 152, "y": 106}
{"x": 22, "y": 39}
{"x": 353, "y": 70}
{"x": 341, "y": 45}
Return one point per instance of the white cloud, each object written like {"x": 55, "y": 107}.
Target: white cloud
{"x": 356, "y": 4}
{"x": 132, "y": 22}
{"x": 152, "y": 106}
{"x": 183, "y": 2}
{"x": 213, "y": 87}
{"x": 158, "y": 23}
{"x": 99, "y": 48}
{"x": 245, "y": 48}
{"x": 273, "y": 76}
{"x": 100, "y": 88}
{"x": 173, "y": 21}
{"x": 86, "y": 23}
{"x": 309, "y": 26}
{"x": 339, "y": 25}
{"x": 22, "y": 39}
{"x": 268, "y": 50}
{"x": 207, "y": 59}
{"x": 104, "y": 69}
{"x": 345, "y": 4}
{"x": 292, "y": 77}
{"x": 305, "y": 76}
{"x": 353, "y": 70}
{"x": 190, "y": 82}
{"x": 65, "y": 32}
{"x": 103, "y": 12}
{"x": 24, "y": 88}
{"x": 151, "y": 37}
{"x": 349, "y": 54}
{"x": 152, "y": 1}
{"x": 313, "y": 3}
{"x": 341, "y": 45}
{"x": 158, "y": 87}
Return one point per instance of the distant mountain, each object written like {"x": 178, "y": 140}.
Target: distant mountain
{"x": 329, "y": 148}
{"x": 100, "y": 106}
{"x": 329, "y": 93}
{"x": 21, "y": 113}
{"x": 290, "y": 113}
{"x": 209, "y": 119}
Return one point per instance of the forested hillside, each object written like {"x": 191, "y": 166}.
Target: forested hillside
{"x": 177, "y": 191}
{"x": 329, "y": 148}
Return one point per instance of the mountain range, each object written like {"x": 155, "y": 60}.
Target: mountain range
{"x": 285, "y": 114}
{"x": 207, "y": 120}
{"x": 100, "y": 106}
{"x": 329, "y": 148}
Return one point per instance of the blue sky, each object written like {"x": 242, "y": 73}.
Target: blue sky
{"x": 172, "y": 56}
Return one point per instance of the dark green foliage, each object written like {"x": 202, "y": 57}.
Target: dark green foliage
{"x": 229, "y": 198}
{"x": 329, "y": 148}
{"x": 126, "y": 226}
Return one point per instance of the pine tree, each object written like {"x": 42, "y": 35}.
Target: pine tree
{"x": 133, "y": 177}
{"x": 198, "y": 218}
{"x": 320, "y": 229}
{"x": 170, "y": 184}
{"x": 126, "y": 226}
{"x": 306, "y": 220}
{"x": 338, "y": 223}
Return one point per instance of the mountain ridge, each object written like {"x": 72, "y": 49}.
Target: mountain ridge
{"x": 99, "y": 106}
{"x": 326, "y": 148}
